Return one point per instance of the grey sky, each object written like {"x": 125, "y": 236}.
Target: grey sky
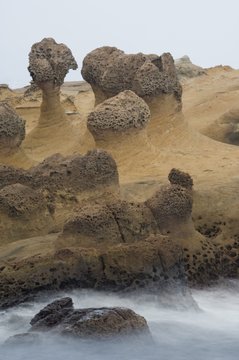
{"x": 206, "y": 30}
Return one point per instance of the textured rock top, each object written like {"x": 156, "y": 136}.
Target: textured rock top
{"x": 101, "y": 323}
{"x": 113, "y": 71}
{"x": 119, "y": 113}
{"x": 170, "y": 204}
{"x": 17, "y": 200}
{"x": 11, "y": 125}
{"x": 178, "y": 177}
{"x": 49, "y": 61}
{"x": 76, "y": 172}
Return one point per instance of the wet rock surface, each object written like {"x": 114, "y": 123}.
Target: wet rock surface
{"x": 90, "y": 323}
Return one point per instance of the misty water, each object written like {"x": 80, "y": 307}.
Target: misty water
{"x": 211, "y": 333}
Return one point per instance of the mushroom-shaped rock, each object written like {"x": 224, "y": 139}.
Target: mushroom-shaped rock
{"x": 12, "y": 133}
{"x": 151, "y": 77}
{"x": 118, "y": 124}
{"x": 97, "y": 323}
{"x": 178, "y": 177}
{"x": 172, "y": 208}
{"x": 146, "y": 75}
{"x": 49, "y": 62}
{"x": 120, "y": 114}
{"x": 171, "y": 205}
{"x": 24, "y": 213}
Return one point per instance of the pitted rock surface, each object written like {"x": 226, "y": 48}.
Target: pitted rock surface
{"x": 17, "y": 200}
{"x": 50, "y": 61}
{"x": 170, "y": 204}
{"x": 178, "y": 177}
{"x": 120, "y": 113}
{"x": 12, "y": 126}
{"x": 100, "y": 323}
{"x": 146, "y": 75}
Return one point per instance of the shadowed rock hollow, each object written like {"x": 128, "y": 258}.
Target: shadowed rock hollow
{"x": 49, "y": 63}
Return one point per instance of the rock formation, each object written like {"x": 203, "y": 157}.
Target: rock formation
{"x": 171, "y": 206}
{"x": 36, "y": 201}
{"x": 119, "y": 122}
{"x": 49, "y": 63}
{"x": 104, "y": 323}
{"x": 12, "y": 134}
{"x": 23, "y": 213}
{"x": 101, "y": 226}
{"x": 152, "y": 77}
{"x": 186, "y": 69}
{"x": 178, "y": 177}
{"x": 111, "y": 71}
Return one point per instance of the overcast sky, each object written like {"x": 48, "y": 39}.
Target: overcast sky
{"x": 206, "y": 30}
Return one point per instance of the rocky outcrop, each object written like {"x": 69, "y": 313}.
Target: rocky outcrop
{"x": 111, "y": 71}
{"x": 119, "y": 122}
{"x": 23, "y": 213}
{"x": 178, "y": 177}
{"x": 186, "y": 69}
{"x": 36, "y": 201}
{"x": 152, "y": 265}
{"x": 49, "y": 63}
{"x": 119, "y": 114}
{"x": 172, "y": 209}
{"x": 12, "y": 133}
{"x": 151, "y": 77}
{"x": 101, "y": 226}
{"x": 77, "y": 173}
{"x": 171, "y": 205}
{"x": 90, "y": 323}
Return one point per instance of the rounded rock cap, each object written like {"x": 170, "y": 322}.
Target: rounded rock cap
{"x": 112, "y": 71}
{"x": 178, "y": 177}
{"x": 50, "y": 61}
{"x": 120, "y": 113}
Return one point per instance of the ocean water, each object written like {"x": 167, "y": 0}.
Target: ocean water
{"x": 211, "y": 333}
